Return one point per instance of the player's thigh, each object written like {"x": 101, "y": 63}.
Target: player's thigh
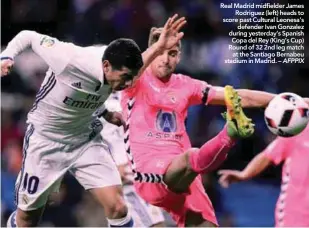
{"x": 148, "y": 214}
{"x": 41, "y": 173}
{"x": 179, "y": 174}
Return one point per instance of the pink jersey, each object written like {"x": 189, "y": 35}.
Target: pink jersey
{"x": 293, "y": 203}
{"x": 160, "y": 110}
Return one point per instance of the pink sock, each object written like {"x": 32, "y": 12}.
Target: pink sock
{"x": 212, "y": 153}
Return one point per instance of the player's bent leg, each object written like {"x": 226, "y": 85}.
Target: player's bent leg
{"x": 183, "y": 169}
{"x": 178, "y": 171}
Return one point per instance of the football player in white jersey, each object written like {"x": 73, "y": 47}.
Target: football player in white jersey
{"x": 63, "y": 129}
{"x": 144, "y": 214}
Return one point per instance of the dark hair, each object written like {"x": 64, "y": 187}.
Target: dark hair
{"x": 153, "y": 38}
{"x": 124, "y": 52}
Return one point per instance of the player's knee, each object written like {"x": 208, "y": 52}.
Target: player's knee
{"x": 178, "y": 169}
{"x": 183, "y": 161}
{"x": 186, "y": 160}
{"x": 188, "y": 157}
{"x": 118, "y": 209}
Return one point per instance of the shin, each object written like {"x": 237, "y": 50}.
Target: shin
{"x": 211, "y": 154}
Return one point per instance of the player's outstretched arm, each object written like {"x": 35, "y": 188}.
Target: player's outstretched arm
{"x": 54, "y": 52}
{"x": 249, "y": 98}
{"x": 254, "y": 98}
{"x": 255, "y": 167}
{"x": 170, "y": 36}
{"x": 19, "y": 43}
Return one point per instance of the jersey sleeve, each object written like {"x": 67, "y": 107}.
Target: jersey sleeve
{"x": 277, "y": 151}
{"x": 201, "y": 92}
{"x": 54, "y": 52}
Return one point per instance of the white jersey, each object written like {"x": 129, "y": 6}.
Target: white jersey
{"x": 72, "y": 88}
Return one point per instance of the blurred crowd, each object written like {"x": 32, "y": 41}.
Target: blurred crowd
{"x": 88, "y": 22}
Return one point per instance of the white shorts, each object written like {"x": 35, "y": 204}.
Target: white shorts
{"x": 45, "y": 162}
{"x": 144, "y": 214}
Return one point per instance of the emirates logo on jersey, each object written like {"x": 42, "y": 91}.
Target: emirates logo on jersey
{"x": 166, "y": 121}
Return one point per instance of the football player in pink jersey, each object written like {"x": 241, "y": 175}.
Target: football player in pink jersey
{"x": 293, "y": 204}
{"x": 167, "y": 171}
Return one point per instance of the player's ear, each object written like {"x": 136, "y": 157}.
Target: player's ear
{"x": 106, "y": 66}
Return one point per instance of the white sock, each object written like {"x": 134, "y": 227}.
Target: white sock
{"x": 126, "y": 221}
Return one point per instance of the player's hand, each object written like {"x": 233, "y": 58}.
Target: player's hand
{"x": 114, "y": 118}
{"x": 170, "y": 34}
{"x": 230, "y": 176}
{"x": 126, "y": 174}
{"x": 6, "y": 66}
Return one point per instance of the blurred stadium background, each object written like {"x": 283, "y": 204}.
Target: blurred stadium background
{"x": 87, "y": 22}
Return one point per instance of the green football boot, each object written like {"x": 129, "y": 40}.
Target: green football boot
{"x": 238, "y": 124}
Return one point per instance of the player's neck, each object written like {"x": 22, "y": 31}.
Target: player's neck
{"x": 165, "y": 79}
